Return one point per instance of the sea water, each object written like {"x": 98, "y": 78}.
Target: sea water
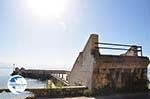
{"x": 4, "y": 77}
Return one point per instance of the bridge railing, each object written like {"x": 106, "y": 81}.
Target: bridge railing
{"x": 119, "y": 47}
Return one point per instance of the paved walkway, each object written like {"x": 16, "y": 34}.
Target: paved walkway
{"x": 125, "y": 96}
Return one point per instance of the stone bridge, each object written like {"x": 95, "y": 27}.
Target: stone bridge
{"x": 54, "y": 75}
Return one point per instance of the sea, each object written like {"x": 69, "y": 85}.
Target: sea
{"x": 4, "y": 77}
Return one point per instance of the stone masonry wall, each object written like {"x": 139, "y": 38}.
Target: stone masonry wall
{"x": 127, "y": 72}
{"x": 120, "y": 73}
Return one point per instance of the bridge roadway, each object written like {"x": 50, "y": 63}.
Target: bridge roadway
{"x": 46, "y": 71}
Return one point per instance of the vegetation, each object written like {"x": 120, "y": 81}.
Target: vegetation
{"x": 30, "y": 97}
{"x": 87, "y": 92}
{"x": 59, "y": 84}
{"x": 49, "y": 84}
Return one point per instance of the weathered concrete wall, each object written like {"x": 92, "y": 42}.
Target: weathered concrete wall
{"x": 81, "y": 73}
{"x": 126, "y": 73}
{"x": 113, "y": 72}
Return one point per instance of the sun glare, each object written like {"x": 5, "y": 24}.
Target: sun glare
{"x": 47, "y": 8}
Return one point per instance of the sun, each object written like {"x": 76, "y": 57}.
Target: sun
{"x": 46, "y": 8}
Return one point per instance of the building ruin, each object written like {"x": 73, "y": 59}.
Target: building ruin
{"x": 125, "y": 72}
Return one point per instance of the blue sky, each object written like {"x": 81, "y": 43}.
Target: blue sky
{"x": 31, "y": 39}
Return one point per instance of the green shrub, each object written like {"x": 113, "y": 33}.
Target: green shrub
{"x": 48, "y": 84}
{"x": 30, "y": 97}
{"x": 87, "y": 92}
{"x": 59, "y": 84}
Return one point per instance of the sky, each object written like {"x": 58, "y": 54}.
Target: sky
{"x": 48, "y": 34}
